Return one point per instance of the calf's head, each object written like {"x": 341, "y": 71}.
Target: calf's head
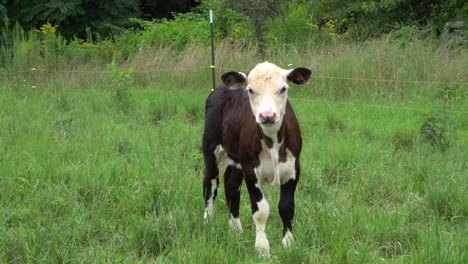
{"x": 267, "y": 85}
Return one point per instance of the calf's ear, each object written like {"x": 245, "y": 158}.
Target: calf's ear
{"x": 298, "y": 75}
{"x": 234, "y": 79}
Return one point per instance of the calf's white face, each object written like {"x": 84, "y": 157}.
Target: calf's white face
{"x": 267, "y": 85}
{"x": 268, "y": 93}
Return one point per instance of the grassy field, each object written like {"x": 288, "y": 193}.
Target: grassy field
{"x": 103, "y": 163}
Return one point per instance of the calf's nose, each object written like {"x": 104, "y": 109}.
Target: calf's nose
{"x": 267, "y": 117}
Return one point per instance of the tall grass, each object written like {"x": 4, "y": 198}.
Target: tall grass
{"x": 388, "y": 67}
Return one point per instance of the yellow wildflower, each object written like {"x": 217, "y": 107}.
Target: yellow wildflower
{"x": 238, "y": 30}
{"x": 314, "y": 26}
{"x": 47, "y": 29}
{"x": 330, "y": 23}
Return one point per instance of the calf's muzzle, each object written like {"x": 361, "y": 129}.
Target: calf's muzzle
{"x": 267, "y": 117}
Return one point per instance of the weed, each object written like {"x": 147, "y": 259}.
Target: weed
{"x": 334, "y": 124}
{"x": 161, "y": 108}
{"x": 403, "y": 140}
{"x": 452, "y": 91}
{"x": 123, "y": 147}
{"x": 62, "y": 103}
{"x": 446, "y": 204}
{"x": 122, "y": 81}
{"x": 439, "y": 128}
{"x": 193, "y": 111}
{"x": 338, "y": 171}
{"x": 16, "y": 252}
{"x": 156, "y": 238}
{"x": 62, "y": 129}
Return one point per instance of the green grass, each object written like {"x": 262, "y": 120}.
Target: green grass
{"x": 84, "y": 181}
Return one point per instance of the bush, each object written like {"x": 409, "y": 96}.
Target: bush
{"x": 439, "y": 128}
{"x": 178, "y": 32}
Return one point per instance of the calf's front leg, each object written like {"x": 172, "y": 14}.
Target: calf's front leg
{"x": 260, "y": 213}
{"x": 232, "y": 187}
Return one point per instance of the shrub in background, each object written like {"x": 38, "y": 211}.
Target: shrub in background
{"x": 293, "y": 27}
{"x": 366, "y": 19}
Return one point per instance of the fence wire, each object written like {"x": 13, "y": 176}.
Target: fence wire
{"x": 185, "y": 69}
{"x": 34, "y": 71}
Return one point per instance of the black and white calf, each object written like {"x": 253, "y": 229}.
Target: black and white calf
{"x": 251, "y": 127}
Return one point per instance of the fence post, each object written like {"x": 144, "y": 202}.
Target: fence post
{"x": 212, "y": 66}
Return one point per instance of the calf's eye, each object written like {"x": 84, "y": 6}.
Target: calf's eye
{"x": 283, "y": 90}
{"x": 250, "y": 91}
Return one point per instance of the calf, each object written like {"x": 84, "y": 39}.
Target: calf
{"x": 251, "y": 128}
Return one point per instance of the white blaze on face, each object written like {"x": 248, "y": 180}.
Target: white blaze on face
{"x": 268, "y": 93}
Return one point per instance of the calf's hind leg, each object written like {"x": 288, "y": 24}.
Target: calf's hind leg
{"x": 210, "y": 182}
{"x": 286, "y": 205}
{"x": 286, "y": 210}
{"x": 232, "y": 188}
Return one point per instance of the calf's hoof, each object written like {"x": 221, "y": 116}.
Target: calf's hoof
{"x": 288, "y": 239}
{"x": 262, "y": 246}
{"x": 235, "y": 224}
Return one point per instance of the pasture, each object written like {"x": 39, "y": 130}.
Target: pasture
{"x": 113, "y": 173}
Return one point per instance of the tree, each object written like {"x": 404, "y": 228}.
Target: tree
{"x": 73, "y": 16}
{"x": 3, "y": 11}
{"x": 164, "y": 9}
{"x": 258, "y": 13}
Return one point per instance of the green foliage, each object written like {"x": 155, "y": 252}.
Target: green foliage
{"x": 183, "y": 29}
{"x": 265, "y": 23}
{"x": 80, "y": 51}
{"x": 105, "y": 15}
{"x": 22, "y": 50}
{"x": 228, "y": 23}
{"x": 177, "y": 33}
{"x": 3, "y": 11}
{"x": 258, "y": 13}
